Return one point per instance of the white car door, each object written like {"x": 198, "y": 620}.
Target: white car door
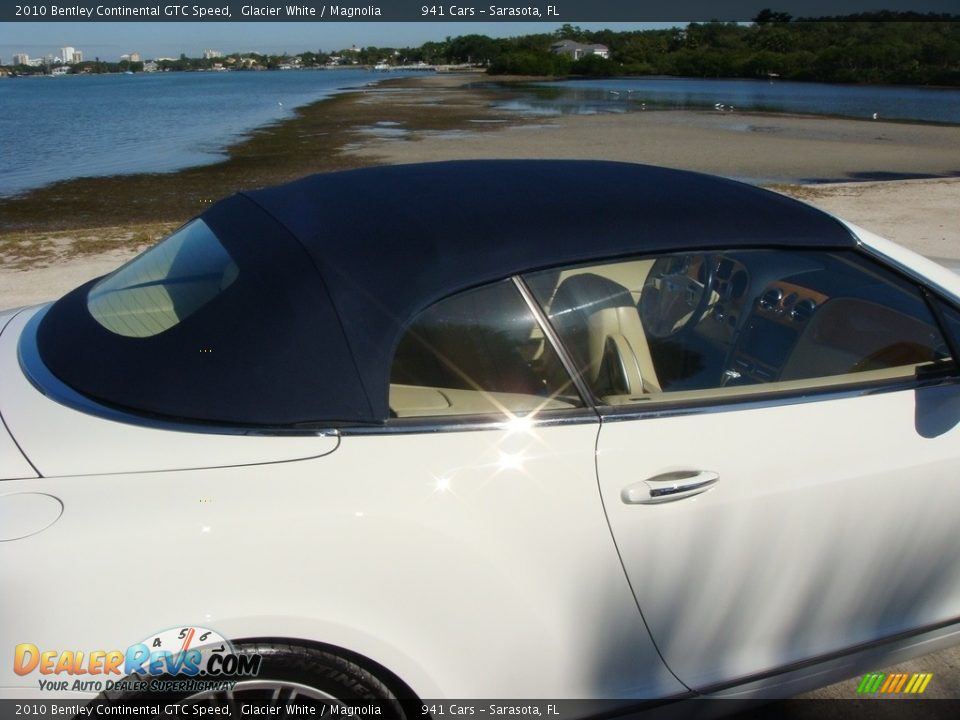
{"x": 786, "y": 486}
{"x": 831, "y": 523}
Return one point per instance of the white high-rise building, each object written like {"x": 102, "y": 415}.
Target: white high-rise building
{"x": 21, "y": 59}
{"x": 66, "y": 55}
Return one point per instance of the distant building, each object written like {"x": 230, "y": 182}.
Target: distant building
{"x": 69, "y": 56}
{"x": 212, "y": 54}
{"x": 150, "y": 66}
{"x": 575, "y": 50}
{"x": 21, "y": 59}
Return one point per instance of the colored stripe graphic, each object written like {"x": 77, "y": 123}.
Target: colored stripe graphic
{"x": 894, "y": 683}
{"x": 871, "y": 682}
{"x": 927, "y": 677}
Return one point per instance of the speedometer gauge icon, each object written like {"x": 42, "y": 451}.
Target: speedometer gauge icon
{"x": 179, "y": 641}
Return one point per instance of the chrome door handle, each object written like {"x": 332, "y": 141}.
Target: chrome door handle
{"x": 669, "y": 486}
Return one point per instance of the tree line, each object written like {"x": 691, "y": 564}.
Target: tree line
{"x": 881, "y": 47}
{"x": 895, "y": 48}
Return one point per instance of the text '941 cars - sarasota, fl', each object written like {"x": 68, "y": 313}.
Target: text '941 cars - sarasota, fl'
{"x": 492, "y": 429}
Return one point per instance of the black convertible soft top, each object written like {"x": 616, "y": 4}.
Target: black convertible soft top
{"x": 333, "y": 267}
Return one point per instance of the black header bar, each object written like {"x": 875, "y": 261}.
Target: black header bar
{"x": 548, "y": 11}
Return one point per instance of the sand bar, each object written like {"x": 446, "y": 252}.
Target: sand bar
{"x": 46, "y": 247}
{"x": 759, "y": 147}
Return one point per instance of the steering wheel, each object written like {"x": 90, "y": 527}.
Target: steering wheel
{"x": 671, "y": 300}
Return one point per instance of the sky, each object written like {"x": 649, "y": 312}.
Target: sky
{"x": 109, "y": 40}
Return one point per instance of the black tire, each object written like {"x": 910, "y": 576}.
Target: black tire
{"x": 287, "y": 674}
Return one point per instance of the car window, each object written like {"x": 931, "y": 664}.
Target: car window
{"x": 165, "y": 285}
{"x": 951, "y": 321}
{"x": 696, "y": 325}
{"x": 479, "y": 352}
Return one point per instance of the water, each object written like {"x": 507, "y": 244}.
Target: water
{"x": 75, "y": 126}
{"x": 92, "y": 125}
{"x": 912, "y": 104}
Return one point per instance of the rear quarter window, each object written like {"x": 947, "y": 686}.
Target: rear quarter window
{"x": 165, "y": 285}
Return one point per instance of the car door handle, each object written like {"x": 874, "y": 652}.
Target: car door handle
{"x": 669, "y": 486}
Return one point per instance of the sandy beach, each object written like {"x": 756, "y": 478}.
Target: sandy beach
{"x": 758, "y": 147}
{"x": 905, "y": 178}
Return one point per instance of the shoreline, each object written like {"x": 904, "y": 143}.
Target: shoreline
{"x": 84, "y": 227}
{"x": 335, "y": 133}
{"x": 308, "y": 142}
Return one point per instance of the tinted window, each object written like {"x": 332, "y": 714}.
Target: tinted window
{"x": 951, "y": 319}
{"x": 481, "y": 351}
{"x": 164, "y": 285}
{"x": 728, "y": 323}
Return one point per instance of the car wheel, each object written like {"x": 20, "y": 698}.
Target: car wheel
{"x": 288, "y": 674}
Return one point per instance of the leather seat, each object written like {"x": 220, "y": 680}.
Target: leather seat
{"x": 598, "y": 321}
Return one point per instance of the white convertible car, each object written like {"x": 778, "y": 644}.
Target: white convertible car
{"x": 505, "y": 429}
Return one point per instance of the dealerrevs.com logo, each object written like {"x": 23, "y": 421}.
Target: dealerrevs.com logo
{"x": 179, "y": 659}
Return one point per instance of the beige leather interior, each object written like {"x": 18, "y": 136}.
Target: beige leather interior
{"x": 616, "y": 334}
{"x": 615, "y": 340}
{"x": 417, "y": 401}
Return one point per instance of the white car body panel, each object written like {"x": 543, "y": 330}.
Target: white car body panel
{"x": 499, "y": 560}
{"x": 84, "y": 444}
{"x": 12, "y": 462}
{"x": 807, "y": 545}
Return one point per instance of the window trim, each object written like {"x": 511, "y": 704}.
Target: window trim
{"x": 772, "y": 398}
{"x": 933, "y": 303}
{"x": 586, "y": 415}
{"x": 587, "y": 397}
